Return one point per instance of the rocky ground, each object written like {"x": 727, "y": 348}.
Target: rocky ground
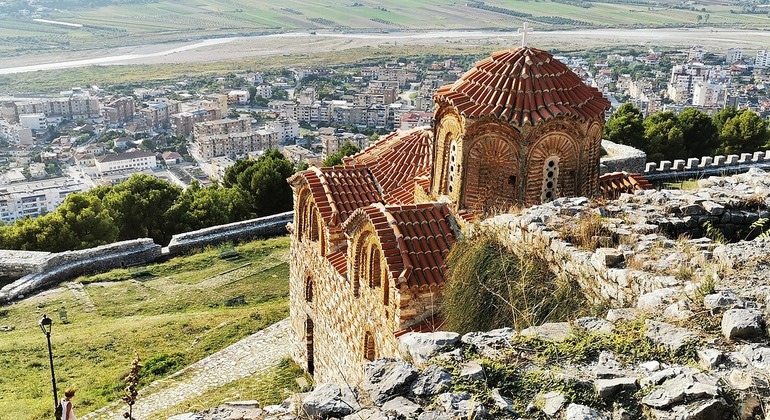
{"x": 696, "y": 348}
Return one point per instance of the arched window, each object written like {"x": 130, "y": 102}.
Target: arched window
{"x": 369, "y": 351}
{"x": 313, "y": 223}
{"x": 375, "y": 270}
{"x": 550, "y": 189}
{"x": 452, "y": 165}
{"x": 309, "y": 289}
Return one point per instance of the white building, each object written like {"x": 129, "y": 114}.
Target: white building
{"x": 707, "y": 94}
{"x": 32, "y": 199}
{"x": 33, "y": 121}
{"x": 131, "y": 160}
{"x": 762, "y": 59}
{"x": 733, "y": 55}
{"x": 287, "y": 129}
{"x": 240, "y": 97}
{"x": 696, "y": 53}
{"x": 264, "y": 90}
{"x": 16, "y": 134}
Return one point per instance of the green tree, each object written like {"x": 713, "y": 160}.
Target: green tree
{"x": 88, "y": 221}
{"x": 264, "y": 181}
{"x": 347, "y": 149}
{"x": 700, "y": 134}
{"x": 198, "y": 208}
{"x": 626, "y": 126}
{"x": 746, "y": 132}
{"x": 665, "y": 139}
{"x": 138, "y": 206}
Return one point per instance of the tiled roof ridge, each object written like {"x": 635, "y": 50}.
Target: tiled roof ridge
{"x": 523, "y": 86}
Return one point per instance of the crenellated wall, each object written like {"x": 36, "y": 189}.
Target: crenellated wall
{"x": 706, "y": 166}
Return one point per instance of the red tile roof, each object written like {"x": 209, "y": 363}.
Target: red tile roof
{"x": 415, "y": 240}
{"x": 616, "y": 183}
{"x": 396, "y": 160}
{"x": 340, "y": 190}
{"x": 339, "y": 261}
{"x": 523, "y": 86}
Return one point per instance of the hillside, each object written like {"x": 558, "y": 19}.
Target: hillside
{"x": 172, "y": 313}
{"x": 59, "y": 25}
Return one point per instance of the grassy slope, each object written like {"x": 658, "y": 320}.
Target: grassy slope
{"x": 179, "y": 311}
{"x": 166, "y": 20}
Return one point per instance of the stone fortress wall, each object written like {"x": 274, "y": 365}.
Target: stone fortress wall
{"x": 29, "y": 272}
{"x": 706, "y": 166}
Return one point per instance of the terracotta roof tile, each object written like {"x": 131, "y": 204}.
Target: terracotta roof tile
{"x": 340, "y": 190}
{"x": 523, "y": 86}
{"x": 616, "y": 183}
{"x": 396, "y": 160}
{"x": 339, "y": 261}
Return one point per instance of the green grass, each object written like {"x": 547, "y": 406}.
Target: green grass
{"x": 166, "y": 20}
{"x": 183, "y": 311}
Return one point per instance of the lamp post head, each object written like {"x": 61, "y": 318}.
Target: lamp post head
{"x": 45, "y": 324}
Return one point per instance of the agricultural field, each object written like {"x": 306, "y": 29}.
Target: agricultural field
{"x": 108, "y": 24}
{"x": 172, "y": 314}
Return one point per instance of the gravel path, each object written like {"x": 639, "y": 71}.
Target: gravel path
{"x": 251, "y": 355}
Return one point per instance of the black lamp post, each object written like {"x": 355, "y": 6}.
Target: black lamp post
{"x": 45, "y": 325}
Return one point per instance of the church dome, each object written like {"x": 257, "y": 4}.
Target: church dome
{"x": 523, "y": 86}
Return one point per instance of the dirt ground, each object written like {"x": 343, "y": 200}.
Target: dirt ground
{"x": 716, "y": 40}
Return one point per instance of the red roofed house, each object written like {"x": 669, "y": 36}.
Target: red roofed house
{"x": 370, "y": 237}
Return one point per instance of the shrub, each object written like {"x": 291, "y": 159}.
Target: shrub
{"x": 589, "y": 232}
{"x": 489, "y": 286}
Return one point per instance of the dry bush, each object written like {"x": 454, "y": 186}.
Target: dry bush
{"x": 489, "y": 286}
{"x": 589, "y": 232}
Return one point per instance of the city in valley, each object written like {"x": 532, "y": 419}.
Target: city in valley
{"x": 536, "y": 209}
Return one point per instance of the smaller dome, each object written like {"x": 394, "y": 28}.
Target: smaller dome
{"x": 523, "y": 86}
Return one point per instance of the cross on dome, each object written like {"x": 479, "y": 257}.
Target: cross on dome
{"x": 524, "y": 31}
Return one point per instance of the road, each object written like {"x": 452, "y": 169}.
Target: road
{"x": 303, "y": 43}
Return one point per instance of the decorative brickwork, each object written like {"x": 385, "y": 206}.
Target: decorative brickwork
{"x": 371, "y": 239}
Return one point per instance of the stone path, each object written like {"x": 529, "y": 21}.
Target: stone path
{"x": 253, "y": 354}
{"x": 81, "y": 295}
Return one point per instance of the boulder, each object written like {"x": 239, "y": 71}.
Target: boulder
{"x": 722, "y": 300}
{"x": 756, "y": 355}
{"x": 622, "y": 314}
{"x": 370, "y": 413}
{"x": 582, "y": 412}
{"x": 667, "y": 335}
{"x": 607, "y": 388}
{"x": 420, "y": 346}
{"x": 707, "y": 409}
{"x": 434, "y": 415}
{"x": 550, "y": 403}
{"x": 683, "y": 387}
{"x": 742, "y": 323}
{"x": 386, "y": 379}
{"x": 551, "y": 331}
{"x": 402, "y": 407}
{"x": 433, "y": 380}
{"x": 501, "y": 403}
{"x": 461, "y": 405}
{"x": 593, "y": 324}
{"x": 709, "y": 358}
{"x": 656, "y": 300}
{"x": 329, "y": 400}
{"x": 651, "y": 366}
{"x": 472, "y": 370}
{"x": 490, "y": 343}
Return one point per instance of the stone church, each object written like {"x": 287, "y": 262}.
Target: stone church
{"x": 370, "y": 237}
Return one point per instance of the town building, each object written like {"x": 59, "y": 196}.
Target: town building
{"x": 134, "y": 161}
{"x": 707, "y": 94}
{"x": 762, "y": 59}
{"x": 287, "y": 129}
{"x": 182, "y": 124}
{"x": 71, "y": 107}
{"x": 733, "y": 55}
{"x": 369, "y": 239}
{"x": 22, "y": 199}
{"x": 240, "y": 97}
{"x": 119, "y": 110}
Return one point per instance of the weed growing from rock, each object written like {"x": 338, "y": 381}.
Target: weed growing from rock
{"x": 490, "y": 286}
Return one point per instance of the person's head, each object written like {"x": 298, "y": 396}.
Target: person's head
{"x": 69, "y": 393}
